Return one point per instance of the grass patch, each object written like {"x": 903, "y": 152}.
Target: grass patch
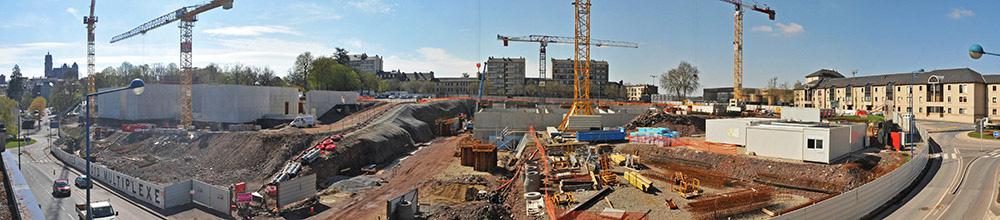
{"x": 13, "y": 144}
{"x": 986, "y": 135}
{"x": 856, "y": 118}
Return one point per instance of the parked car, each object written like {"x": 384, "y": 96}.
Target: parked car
{"x": 102, "y": 210}
{"x": 60, "y": 187}
{"x": 81, "y": 182}
{"x": 336, "y": 137}
{"x": 304, "y": 121}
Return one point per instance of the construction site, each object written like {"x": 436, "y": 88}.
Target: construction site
{"x": 236, "y": 150}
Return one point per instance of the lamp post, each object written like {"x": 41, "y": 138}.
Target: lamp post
{"x": 976, "y": 51}
{"x": 137, "y": 87}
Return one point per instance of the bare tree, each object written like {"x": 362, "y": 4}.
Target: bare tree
{"x": 681, "y": 81}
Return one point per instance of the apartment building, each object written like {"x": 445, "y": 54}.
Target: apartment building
{"x": 562, "y": 71}
{"x": 504, "y": 75}
{"x": 640, "y": 92}
{"x": 957, "y": 95}
{"x": 456, "y": 86}
{"x": 365, "y": 63}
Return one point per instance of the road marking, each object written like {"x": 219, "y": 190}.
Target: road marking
{"x": 954, "y": 180}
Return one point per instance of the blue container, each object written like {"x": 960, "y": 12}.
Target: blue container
{"x": 601, "y": 136}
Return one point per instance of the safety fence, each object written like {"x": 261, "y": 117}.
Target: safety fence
{"x": 163, "y": 196}
{"x": 859, "y": 202}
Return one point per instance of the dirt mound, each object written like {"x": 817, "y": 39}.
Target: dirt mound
{"x": 216, "y": 158}
{"x": 388, "y": 138}
{"x": 687, "y": 125}
{"x": 835, "y": 178}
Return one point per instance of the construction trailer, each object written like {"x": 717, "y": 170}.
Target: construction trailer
{"x": 731, "y": 130}
{"x": 806, "y": 141}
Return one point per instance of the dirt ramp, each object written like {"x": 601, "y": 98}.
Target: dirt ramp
{"x": 390, "y": 138}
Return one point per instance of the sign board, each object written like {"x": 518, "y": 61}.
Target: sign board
{"x": 996, "y": 134}
{"x": 53, "y": 124}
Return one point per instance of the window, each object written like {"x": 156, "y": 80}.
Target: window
{"x": 994, "y": 99}
{"x": 949, "y": 98}
{"x": 994, "y": 88}
{"x": 994, "y": 111}
{"x": 949, "y": 110}
{"x": 961, "y": 88}
{"x": 962, "y": 99}
{"x": 815, "y": 144}
{"x": 949, "y": 87}
{"x": 961, "y": 111}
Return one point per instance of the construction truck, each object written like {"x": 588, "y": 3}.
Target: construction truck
{"x": 102, "y": 210}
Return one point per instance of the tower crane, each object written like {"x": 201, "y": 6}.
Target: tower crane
{"x": 91, "y": 21}
{"x": 187, "y": 16}
{"x": 545, "y": 40}
{"x": 738, "y": 45}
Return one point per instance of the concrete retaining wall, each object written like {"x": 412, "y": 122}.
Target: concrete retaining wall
{"x": 861, "y": 201}
{"x": 211, "y": 196}
{"x": 217, "y": 103}
{"x": 296, "y": 189}
{"x": 489, "y": 121}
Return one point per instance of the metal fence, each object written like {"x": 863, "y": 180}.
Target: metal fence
{"x": 861, "y": 201}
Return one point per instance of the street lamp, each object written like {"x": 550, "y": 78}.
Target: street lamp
{"x": 137, "y": 87}
{"x": 976, "y": 51}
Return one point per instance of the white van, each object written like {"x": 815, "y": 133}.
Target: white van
{"x": 304, "y": 121}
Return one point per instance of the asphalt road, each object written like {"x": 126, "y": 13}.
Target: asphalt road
{"x": 961, "y": 182}
{"x": 41, "y": 169}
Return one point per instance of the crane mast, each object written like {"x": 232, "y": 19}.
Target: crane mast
{"x": 738, "y": 45}
{"x": 581, "y": 63}
{"x": 187, "y": 16}
{"x": 91, "y": 22}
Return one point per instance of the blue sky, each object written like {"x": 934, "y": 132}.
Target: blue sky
{"x": 449, "y": 36}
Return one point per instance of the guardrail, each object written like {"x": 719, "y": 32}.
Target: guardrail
{"x": 859, "y": 202}
{"x": 18, "y": 192}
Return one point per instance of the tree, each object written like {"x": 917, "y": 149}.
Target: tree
{"x": 326, "y": 74}
{"x": 341, "y": 56}
{"x": 8, "y": 114}
{"x": 465, "y": 75}
{"x": 37, "y": 104}
{"x": 772, "y": 90}
{"x": 297, "y": 75}
{"x": 681, "y": 80}
{"x": 799, "y": 85}
{"x": 65, "y": 95}
{"x": 15, "y": 87}
{"x": 369, "y": 81}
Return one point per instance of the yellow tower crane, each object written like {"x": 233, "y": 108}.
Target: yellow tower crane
{"x": 187, "y": 16}
{"x": 738, "y": 46}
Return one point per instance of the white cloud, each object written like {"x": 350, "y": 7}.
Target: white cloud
{"x": 779, "y": 29}
{"x": 72, "y": 11}
{"x": 252, "y": 30}
{"x": 790, "y": 29}
{"x": 762, "y": 28}
{"x": 431, "y": 59}
{"x": 373, "y": 6}
{"x": 312, "y": 12}
{"x": 959, "y": 13}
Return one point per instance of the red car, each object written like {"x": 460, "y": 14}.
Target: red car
{"x": 60, "y": 187}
